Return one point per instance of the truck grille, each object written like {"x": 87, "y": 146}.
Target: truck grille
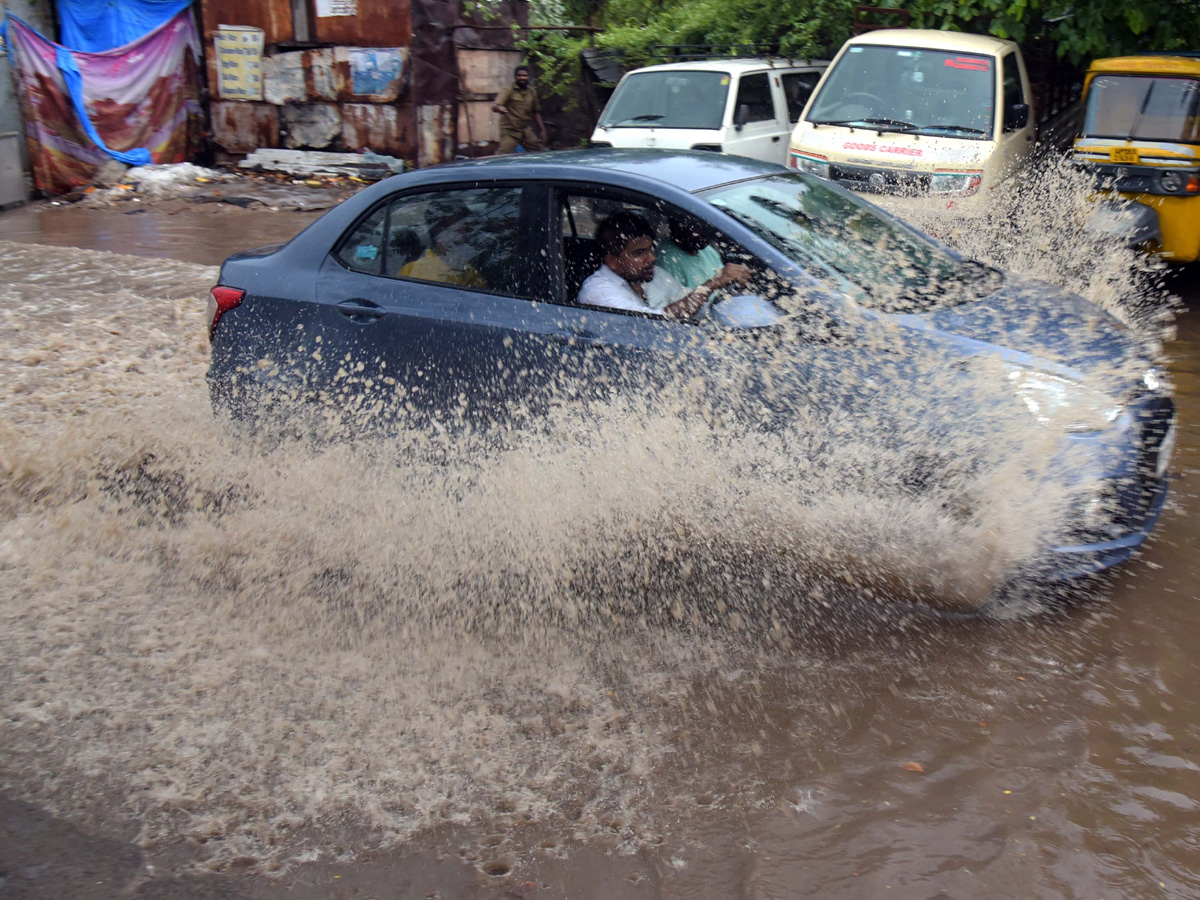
{"x": 880, "y": 181}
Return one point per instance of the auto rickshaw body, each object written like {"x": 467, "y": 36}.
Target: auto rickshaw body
{"x": 1141, "y": 139}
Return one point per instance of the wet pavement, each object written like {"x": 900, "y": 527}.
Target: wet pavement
{"x": 187, "y": 715}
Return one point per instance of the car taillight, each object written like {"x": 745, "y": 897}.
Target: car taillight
{"x": 223, "y": 300}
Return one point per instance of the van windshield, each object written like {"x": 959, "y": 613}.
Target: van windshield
{"x": 1146, "y": 107}
{"x": 908, "y": 89}
{"x": 674, "y": 99}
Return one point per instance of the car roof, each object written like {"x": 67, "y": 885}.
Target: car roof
{"x": 656, "y": 172}
{"x": 688, "y": 170}
{"x": 734, "y": 66}
{"x": 932, "y": 39}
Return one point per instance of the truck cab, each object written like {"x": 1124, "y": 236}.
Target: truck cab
{"x": 745, "y": 107}
{"x": 935, "y": 116}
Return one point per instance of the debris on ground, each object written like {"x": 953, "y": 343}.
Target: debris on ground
{"x": 168, "y": 179}
{"x": 319, "y": 162}
{"x": 311, "y": 188}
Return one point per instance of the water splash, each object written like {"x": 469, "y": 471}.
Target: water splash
{"x": 252, "y": 644}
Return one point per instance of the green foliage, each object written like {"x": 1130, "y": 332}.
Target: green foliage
{"x": 555, "y": 55}
{"x": 800, "y": 28}
{"x": 1080, "y": 31}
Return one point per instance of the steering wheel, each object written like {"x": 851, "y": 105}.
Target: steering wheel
{"x": 849, "y": 98}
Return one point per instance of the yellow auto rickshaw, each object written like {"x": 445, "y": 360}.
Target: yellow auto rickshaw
{"x": 1141, "y": 139}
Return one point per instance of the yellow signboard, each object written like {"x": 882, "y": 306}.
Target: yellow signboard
{"x": 239, "y": 62}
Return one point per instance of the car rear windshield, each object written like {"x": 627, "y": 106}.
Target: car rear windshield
{"x": 673, "y": 99}
{"x": 849, "y": 245}
{"x": 910, "y": 89}
{"x": 1145, "y": 107}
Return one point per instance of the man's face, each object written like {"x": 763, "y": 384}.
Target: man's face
{"x": 522, "y": 78}
{"x": 636, "y": 262}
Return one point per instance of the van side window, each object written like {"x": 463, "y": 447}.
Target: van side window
{"x": 754, "y": 91}
{"x": 797, "y": 88}
{"x": 1013, "y": 92}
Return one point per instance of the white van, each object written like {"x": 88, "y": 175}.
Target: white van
{"x": 741, "y": 106}
{"x": 928, "y": 117}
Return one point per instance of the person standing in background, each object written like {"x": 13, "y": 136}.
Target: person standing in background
{"x": 520, "y": 110}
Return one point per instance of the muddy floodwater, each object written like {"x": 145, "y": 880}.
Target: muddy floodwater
{"x": 229, "y": 669}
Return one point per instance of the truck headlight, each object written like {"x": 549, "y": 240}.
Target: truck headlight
{"x": 1053, "y": 399}
{"x": 811, "y": 165}
{"x": 966, "y": 183}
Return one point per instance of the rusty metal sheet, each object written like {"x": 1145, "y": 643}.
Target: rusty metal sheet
{"x": 312, "y": 125}
{"x": 383, "y": 68}
{"x": 300, "y": 76}
{"x": 274, "y": 17}
{"x": 436, "y": 127}
{"x": 241, "y": 126}
{"x": 478, "y": 126}
{"x": 486, "y": 71}
{"x": 382, "y": 129}
{"x": 283, "y": 78}
{"x": 323, "y": 82}
{"x": 379, "y": 23}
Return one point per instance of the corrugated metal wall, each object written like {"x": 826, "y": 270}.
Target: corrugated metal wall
{"x": 431, "y": 113}
{"x": 379, "y": 23}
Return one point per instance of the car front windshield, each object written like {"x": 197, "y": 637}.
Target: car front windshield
{"x": 910, "y": 90}
{"x": 1145, "y": 107}
{"x": 671, "y": 99}
{"x": 847, "y": 244}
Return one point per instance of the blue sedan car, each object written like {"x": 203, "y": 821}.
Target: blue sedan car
{"x": 453, "y": 294}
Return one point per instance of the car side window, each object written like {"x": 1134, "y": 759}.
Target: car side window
{"x": 754, "y": 92}
{"x": 797, "y": 88}
{"x": 362, "y": 250}
{"x": 467, "y": 237}
{"x": 688, "y": 251}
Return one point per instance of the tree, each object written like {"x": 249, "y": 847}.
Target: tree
{"x": 1080, "y": 31}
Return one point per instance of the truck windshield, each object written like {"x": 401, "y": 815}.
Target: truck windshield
{"x": 844, "y": 242}
{"x": 911, "y": 90}
{"x": 673, "y": 99}
{"x": 1140, "y": 106}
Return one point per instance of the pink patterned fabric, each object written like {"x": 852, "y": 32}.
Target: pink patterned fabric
{"x": 141, "y": 95}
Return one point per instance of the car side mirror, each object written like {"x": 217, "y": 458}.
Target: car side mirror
{"x": 745, "y": 311}
{"x": 1017, "y": 118}
{"x": 741, "y": 117}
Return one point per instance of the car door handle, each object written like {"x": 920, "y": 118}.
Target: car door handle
{"x": 361, "y": 310}
{"x": 775, "y": 140}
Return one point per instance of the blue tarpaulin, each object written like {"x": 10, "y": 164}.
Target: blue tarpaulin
{"x": 99, "y": 25}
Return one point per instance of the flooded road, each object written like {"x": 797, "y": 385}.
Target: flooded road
{"x": 197, "y": 701}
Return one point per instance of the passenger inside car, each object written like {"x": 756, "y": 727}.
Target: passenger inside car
{"x": 686, "y": 260}
{"x": 628, "y": 266}
{"x": 448, "y": 257}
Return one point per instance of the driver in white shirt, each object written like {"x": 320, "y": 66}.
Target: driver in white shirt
{"x": 628, "y": 244}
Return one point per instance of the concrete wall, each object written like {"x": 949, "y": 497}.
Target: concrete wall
{"x": 40, "y": 15}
